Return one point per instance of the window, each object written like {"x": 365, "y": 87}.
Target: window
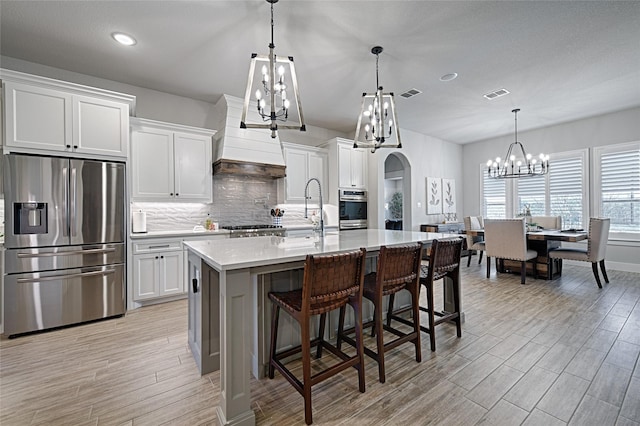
{"x": 617, "y": 187}
{"x": 561, "y": 192}
{"x": 494, "y": 198}
{"x": 532, "y": 195}
{"x": 568, "y": 189}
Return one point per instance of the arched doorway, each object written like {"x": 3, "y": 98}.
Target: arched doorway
{"x": 397, "y": 192}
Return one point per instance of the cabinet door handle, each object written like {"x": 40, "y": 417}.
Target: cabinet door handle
{"x": 195, "y": 285}
{"x": 156, "y": 257}
{"x": 75, "y": 147}
{"x": 177, "y": 194}
{"x": 161, "y": 257}
{"x": 161, "y": 246}
{"x": 171, "y": 193}
{"x": 68, "y": 146}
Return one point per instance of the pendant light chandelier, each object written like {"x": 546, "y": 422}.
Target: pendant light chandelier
{"x": 272, "y": 95}
{"x": 517, "y": 163}
{"x": 378, "y": 111}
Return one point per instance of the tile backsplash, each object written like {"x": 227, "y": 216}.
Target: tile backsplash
{"x": 237, "y": 200}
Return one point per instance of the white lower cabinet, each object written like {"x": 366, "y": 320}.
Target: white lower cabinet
{"x": 158, "y": 269}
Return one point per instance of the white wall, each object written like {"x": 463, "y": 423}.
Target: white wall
{"x": 608, "y": 129}
{"x": 427, "y": 156}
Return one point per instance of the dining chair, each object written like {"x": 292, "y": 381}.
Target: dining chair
{"x": 474, "y": 243}
{"x": 547, "y": 222}
{"x": 330, "y": 282}
{"x": 596, "y": 248}
{"x": 398, "y": 269}
{"x": 507, "y": 239}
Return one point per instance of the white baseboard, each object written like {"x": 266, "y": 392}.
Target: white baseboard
{"x": 614, "y": 266}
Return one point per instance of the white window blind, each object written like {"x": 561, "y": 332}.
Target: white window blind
{"x": 566, "y": 189}
{"x": 494, "y": 202}
{"x": 620, "y": 188}
{"x": 532, "y": 194}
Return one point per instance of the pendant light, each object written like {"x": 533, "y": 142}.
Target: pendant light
{"x": 272, "y": 96}
{"x": 378, "y": 111}
{"x": 517, "y": 163}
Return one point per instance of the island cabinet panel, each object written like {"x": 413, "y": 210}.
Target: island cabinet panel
{"x": 170, "y": 162}
{"x": 204, "y": 314}
{"x": 44, "y": 116}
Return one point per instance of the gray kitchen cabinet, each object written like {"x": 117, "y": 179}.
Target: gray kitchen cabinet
{"x": 170, "y": 162}
{"x": 44, "y": 115}
{"x": 303, "y": 163}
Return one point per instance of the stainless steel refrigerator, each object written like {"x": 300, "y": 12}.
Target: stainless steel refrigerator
{"x": 64, "y": 240}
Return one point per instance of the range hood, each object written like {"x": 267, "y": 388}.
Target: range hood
{"x": 249, "y": 152}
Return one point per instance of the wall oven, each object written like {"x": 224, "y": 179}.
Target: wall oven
{"x": 352, "y": 209}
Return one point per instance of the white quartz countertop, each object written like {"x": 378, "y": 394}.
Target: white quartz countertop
{"x": 239, "y": 253}
{"x": 185, "y": 233}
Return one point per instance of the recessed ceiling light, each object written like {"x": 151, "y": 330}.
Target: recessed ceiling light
{"x": 449, "y": 77}
{"x": 123, "y": 38}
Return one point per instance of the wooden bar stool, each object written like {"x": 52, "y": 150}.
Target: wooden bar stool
{"x": 398, "y": 269}
{"x": 444, "y": 261}
{"x": 330, "y": 282}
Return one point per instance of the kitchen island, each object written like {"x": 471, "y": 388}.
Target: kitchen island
{"x": 226, "y": 318}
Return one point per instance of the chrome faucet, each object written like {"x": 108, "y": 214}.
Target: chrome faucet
{"x": 306, "y": 197}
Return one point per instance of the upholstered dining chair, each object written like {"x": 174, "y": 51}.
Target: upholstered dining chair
{"x": 330, "y": 282}
{"x": 398, "y": 269}
{"x": 596, "y": 248}
{"x": 547, "y": 222}
{"x": 507, "y": 239}
{"x": 474, "y": 243}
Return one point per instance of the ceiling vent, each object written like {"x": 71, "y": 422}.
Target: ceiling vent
{"x": 496, "y": 94}
{"x": 410, "y": 93}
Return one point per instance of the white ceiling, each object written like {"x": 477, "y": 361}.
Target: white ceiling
{"x": 561, "y": 60}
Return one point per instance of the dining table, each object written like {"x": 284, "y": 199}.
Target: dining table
{"x": 542, "y": 241}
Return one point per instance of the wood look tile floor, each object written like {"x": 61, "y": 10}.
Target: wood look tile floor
{"x": 546, "y": 353}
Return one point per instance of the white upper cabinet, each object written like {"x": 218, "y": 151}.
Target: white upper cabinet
{"x": 37, "y": 118}
{"x": 352, "y": 166}
{"x": 170, "y": 162}
{"x": 100, "y": 127}
{"x": 347, "y": 166}
{"x": 303, "y": 163}
{"x": 49, "y": 116}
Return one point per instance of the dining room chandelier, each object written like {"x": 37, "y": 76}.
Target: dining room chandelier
{"x": 272, "y": 95}
{"x": 517, "y": 162}
{"x": 378, "y": 112}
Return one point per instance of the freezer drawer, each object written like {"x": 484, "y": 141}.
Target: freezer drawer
{"x": 51, "y": 258}
{"x": 39, "y": 301}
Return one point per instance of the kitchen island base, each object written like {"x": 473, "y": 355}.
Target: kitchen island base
{"x": 237, "y": 266}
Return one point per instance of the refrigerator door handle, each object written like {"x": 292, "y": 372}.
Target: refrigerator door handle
{"x": 72, "y": 202}
{"x": 65, "y": 253}
{"x": 65, "y": 212}
{"x": 66, "y": 277}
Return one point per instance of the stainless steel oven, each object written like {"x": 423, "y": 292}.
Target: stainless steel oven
{"x": 352, "y": 209}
